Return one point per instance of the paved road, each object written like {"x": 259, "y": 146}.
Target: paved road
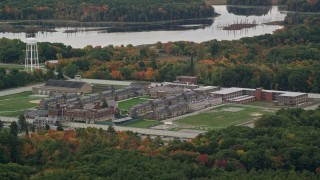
{"x": 8, "y": 119}
{"x": 18, "y": 90}
{"x": 153, "y": 132}
{"x": 312, "y": 107}
{"x": 313, "y": 96}
{"x": 185, "y": 135}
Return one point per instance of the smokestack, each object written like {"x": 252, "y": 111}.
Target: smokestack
{"x": 191, "y": 64}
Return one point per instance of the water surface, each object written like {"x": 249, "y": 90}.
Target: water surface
{"x": 228, "y": 15}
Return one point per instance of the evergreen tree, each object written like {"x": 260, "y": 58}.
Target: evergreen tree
{"x": 60, "y": 73}
{"x": 111, "y": 130}
{"x": 47, "y": 127}
{"x": 14, "y": 129}
{"x": 60, "y": 128}
{"x": 1, "y": 124}
{"x": 104, "y": 103}
{"x": 23, "y": 123}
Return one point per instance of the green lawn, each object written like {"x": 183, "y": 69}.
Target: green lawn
{"x": 144, "y": 123}
{"x": 12, "y": 66}
{"x": 126, "y": 105}
{"x": 15, "y": 104}
{"x": 219, "y": 118}
{"x": 261, "y": 103}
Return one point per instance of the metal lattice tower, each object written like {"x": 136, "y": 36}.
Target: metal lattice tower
{"x": 32, "y": 59}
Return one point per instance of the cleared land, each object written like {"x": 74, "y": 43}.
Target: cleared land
{"x": 11, "y": 66}
{"x": 143, "y": 123}
{"x": 15, "y": 104}
{"x": 223, "y": 117}
{"x": 14, "y": 66}
{"x": 127, "y": 104}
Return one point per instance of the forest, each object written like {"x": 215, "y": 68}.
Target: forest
{"x": 281, "y": 146}
{"x": 102, "y": 10}
{"x": 304, "y": 5}
{"x": 250, "y": 2}
{"x": 16, "y": 78}
{"x": 292, "y": 5}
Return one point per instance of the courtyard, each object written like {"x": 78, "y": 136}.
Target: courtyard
{"x": 127, "y": 104}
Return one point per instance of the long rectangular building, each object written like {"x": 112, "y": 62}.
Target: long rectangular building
{"x": 244, "y": 95}
{"x": 55, "y": 87}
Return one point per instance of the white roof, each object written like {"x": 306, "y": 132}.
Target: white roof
{"x": 224, "y": 91}
{"x": 206, "y": 88}
{"x": 228, "y": 90}
{"x": 273, "y": 91}
{"x": 31, "y": 41}
{"x": 241, "y": 98}
{"x": 292, "y": 94}
{"x": 52, "y": 61}
{"x": 121, "y": 120}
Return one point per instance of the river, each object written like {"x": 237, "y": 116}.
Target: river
{"x": 228, "y": 15}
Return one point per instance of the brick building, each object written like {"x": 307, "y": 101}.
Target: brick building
{"x": 186, "y": 80}
{"x": 124, "y": 93}
{"x": 245, "y": 95}
{"x": 140, "y": 110}
{"x": 292, "y": 99}
{"x": 164, "y": 91}
{"x": 206, "y": 90}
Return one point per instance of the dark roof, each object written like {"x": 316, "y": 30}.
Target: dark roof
{"x": 139, "y": 85}
{"x": 65, "y": 84}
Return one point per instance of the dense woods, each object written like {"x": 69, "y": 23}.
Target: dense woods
{"x": 281, "y": 146}
{"x": 15, "y": 78}
{"x": 101, "y": 10}
{"x": 292, "y": 5}
{"x": 304, "y": 5}
{"x": 250, "y": 2}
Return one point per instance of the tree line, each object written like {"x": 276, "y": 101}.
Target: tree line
{"x": 111, "y": 10}
{"x": 291, "y": 5}
{"x": 284, "y": 145}
{"x": 15, "y": 78}
{"x": 303, "y": 5}
{"x": 250, "y": 2}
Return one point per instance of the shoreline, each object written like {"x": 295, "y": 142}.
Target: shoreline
{"x": 234, "y": 27}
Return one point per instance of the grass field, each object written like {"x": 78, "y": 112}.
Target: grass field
{"x": 15, "y": 104}
{"x": 223, "y": 117}
{"x": 14, "y": 66}
{"x": 143, "y": 123}
{"x": 127, "y": 104}
{"x": 262, "y": 104}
